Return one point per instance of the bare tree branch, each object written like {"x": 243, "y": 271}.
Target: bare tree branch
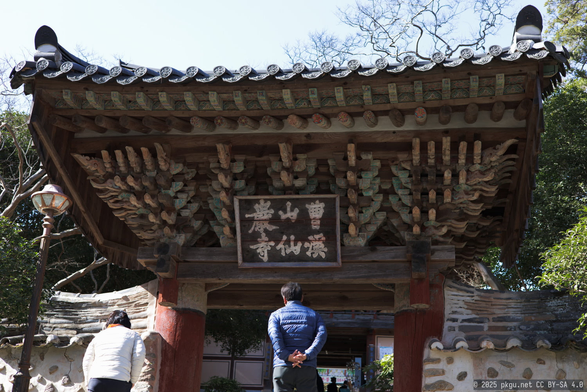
{"x": 488, "y": 276}
{"x": 63, "y": 234}
{"x": 78, "y": 274}
{"x": 394, "y": 28}
{"x": 34, "y": 177}
{"x": 105, "y": 280}
{"x": 18, "y": 197}
{"x": 20, "y": 156}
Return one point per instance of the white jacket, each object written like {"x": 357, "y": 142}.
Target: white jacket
{"x": 117, "y": 353}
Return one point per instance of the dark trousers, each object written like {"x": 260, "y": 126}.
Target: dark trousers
{"x": 286, "y": 378}
{"x": 108, "y": 385}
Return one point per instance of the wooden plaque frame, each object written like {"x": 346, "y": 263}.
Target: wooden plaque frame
{"x": 333, "y": 208}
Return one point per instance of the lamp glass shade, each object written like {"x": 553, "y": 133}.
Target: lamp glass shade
{"x": 51, "y": 198}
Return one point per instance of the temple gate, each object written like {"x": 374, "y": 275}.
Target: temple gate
{"x": 400, "y": 173}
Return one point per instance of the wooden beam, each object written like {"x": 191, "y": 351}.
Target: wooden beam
{"x": 419, "y": 253}
{"x": 87, "y": 123}
{"x": 297, "y": 121}
{"x": 399, "y": 272}
{"x": 272, "y": 122}
{"x": 119, "y": 247}
{"x": 180, "y": 125}
{"x": 405, "y": 107}
{"x": 321, "y": 120}
{"x": 226, "y": 123}
{"x": 133, "y": 124}
{"x": 397, "y": 118}
{"x": 370, "y": 118}
{"x": 420, "y": 115}
{"x": 343, "y": 299}
{"x": 155, "y": 124}
{"x": 63, "y": 123}
{"x": 202, "y": 123}
{"x": 523, "y": 109}
{"x": 193, "y": 143}
{"x": 350, "y": 254}
{"x": 444, "y": 115}
{"x": 248, "y": 122}
{"x": 36, "y": 121}
{"x": 497, "y": 111}
{"x": 110, "y": 123}
{"x": 346, "y": 119}
{"x": 471, "y": 113}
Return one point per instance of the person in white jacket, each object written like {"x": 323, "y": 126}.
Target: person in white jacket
{"x": 114, "y": 358}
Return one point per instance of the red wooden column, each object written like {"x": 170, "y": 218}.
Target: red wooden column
{"x": 419, "y": 315}
{"x": 182, "y": 330}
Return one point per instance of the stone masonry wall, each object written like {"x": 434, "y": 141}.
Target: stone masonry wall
{"x": 499, "y": 336}
{"x": 66, "y": 330}
{"x": 447, "y": 370}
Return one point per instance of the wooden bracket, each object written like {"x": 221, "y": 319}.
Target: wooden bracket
{"x": 401, "y": 300}
{"x": 224, "y": 155}
{"x": 167, "y": 254}
{"x": 419, "y": 254}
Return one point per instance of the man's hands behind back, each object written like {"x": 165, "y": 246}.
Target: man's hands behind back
{"x": 297, "y": 358}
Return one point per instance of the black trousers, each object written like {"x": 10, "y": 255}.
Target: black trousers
{"x": 108, "y": 385}
{"x": 285, "y": 378}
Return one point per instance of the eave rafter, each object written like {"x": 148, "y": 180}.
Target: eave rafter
{"x": 193, "y": 110}
{"x": 152, "y": 194}
{"x": 442, "y": 190}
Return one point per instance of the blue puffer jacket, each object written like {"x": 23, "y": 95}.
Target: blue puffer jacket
{"x": 296, "y": 327}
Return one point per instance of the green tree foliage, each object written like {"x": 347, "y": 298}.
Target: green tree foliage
{"x": 565, "y": 264}
{"x": 20, "y": 169}
{"x": 237, "y": 331}
{"x": 21, "y": 174}
{"x": 383, "y": 380}
{"x": 221, "y": 384}
{"x": 561, "y": 184}
{"x": 18, "y": 260}
{"x": 568, "y": 23}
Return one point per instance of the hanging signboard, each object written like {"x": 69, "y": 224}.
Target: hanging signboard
{"x": 288, "y": 231}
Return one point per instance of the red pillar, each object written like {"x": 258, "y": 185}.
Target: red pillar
{"x": 182, "y": 348}
{"x": 412, "y": 329}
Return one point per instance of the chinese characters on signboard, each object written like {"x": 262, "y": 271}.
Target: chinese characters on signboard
{"x": 288, "y": 229}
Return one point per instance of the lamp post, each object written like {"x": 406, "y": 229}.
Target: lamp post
{"x": 50, "y": 202}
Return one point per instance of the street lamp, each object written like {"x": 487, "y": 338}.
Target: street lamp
{"x": 50, "y": 202}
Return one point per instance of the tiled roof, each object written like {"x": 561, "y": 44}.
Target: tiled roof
{"x": 62, "y": 64}
{"x": 73, "y": 319}
{"x": 477, "y": 320}
{"x": 51, "y": 340}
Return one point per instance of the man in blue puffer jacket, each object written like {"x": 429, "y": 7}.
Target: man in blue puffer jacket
{"x": 298, "y": 334}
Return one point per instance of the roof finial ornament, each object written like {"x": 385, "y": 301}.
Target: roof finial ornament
{"x": 528, "y": 25}
{"x": 47, "y": 45}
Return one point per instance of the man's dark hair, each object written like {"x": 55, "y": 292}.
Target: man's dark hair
{"x": 118, "y": 317}
{"x": 292, "y": 291}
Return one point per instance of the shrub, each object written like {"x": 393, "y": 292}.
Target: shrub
{"x": 222, "y": 384}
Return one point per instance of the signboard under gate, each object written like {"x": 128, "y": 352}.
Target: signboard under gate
{"x": 288, "y": 231}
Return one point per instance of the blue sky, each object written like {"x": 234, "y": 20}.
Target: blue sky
{"x": 179, "y": 33}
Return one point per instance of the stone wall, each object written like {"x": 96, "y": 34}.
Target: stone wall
{"x": 498, "y": 336}
{"x": 505, "y": 319}
{"x": 68, "y": 326}
{"x": 447, "y": 370}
